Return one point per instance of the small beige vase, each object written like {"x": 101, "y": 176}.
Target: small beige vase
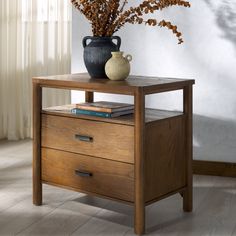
{"x": 118, "y": 66}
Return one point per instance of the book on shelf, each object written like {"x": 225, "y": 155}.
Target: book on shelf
{"x": 104, "y": 106}
{"x": 79, "y": 111}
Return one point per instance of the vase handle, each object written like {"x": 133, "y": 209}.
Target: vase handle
{"x": 84, "y": 42}
{"x": 118, "y": 41}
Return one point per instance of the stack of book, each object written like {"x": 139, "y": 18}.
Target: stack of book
{"x": 103, "y": 109}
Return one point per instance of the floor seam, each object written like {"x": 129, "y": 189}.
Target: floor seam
{"x": 88, "y": 219}
{"x": 42, "y": 217}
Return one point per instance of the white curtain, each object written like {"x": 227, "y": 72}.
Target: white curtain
{"x": 35, "y": 40}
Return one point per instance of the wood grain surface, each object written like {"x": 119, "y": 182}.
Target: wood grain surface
{"x": 110, "y": 141}
{"x": 188, "y": 111}
{"x": 36, "y": 165}
{"x": 138, "y": 159}
{"x": 130, "y": 86}
{"x": 165, "y": 160}
{"x": 109, "y": 178}
{"x": 225, "y": 169}
{"x": 139, "y": 207}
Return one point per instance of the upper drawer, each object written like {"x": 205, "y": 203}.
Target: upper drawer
{"x": 106, "y": 140}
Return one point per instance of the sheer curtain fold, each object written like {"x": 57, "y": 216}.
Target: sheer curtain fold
{"x": 35, "y": 40}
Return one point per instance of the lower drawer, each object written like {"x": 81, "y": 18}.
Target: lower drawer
{"x": 91, "y": 174}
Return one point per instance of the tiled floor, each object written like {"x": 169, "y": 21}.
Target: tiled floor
{"x": 69, "y": 213}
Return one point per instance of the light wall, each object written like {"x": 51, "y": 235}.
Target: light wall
{"x": 208, "y": 55}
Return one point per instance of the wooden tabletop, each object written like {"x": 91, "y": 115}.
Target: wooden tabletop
{"x": 131, "y": 85}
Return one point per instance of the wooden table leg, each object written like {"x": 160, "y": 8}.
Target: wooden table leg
{"x": 139, "y": 162}
{"x": 89, "y": 96}
{"x": 188, "y": 110}
{"x": 37, "y": 106}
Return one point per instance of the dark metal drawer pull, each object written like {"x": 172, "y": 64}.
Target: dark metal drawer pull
{"x": 83, "y": 173}
{"x": 83, "y": 138}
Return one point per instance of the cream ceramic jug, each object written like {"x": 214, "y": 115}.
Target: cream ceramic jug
{"x": 118, "y": 66}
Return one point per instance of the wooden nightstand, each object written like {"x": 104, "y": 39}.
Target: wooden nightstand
{"x": 137, "y": 159}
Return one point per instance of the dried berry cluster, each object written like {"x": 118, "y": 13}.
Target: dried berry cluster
{"x": 108, "y": 16}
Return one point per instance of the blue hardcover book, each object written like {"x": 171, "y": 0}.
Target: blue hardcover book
{"x": 78, "y": 111}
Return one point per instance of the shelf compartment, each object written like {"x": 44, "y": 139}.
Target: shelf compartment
{"x": 151, "y": 115}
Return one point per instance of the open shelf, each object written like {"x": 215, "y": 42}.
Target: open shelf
{"x": 151, "y": 115}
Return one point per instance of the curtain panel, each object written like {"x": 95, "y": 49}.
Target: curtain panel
{"x": 35, "y": 40}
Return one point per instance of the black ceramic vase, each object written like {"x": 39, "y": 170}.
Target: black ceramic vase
{"x": 97, "y": 52}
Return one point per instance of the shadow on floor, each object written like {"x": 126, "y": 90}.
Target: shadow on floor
{"x": 215, "y": 191}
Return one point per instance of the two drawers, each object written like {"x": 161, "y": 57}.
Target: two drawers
{"x": 88, "y": 155}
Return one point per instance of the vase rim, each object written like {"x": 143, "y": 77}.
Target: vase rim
{"x": 117, "y": 53}
{"x": 101, "y": 37}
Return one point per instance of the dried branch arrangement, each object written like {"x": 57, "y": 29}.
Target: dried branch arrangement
{"x": 108, "y": 16}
